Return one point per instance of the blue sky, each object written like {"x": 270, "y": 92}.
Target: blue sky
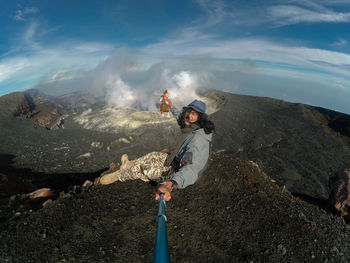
{"x": 296, "y": 50}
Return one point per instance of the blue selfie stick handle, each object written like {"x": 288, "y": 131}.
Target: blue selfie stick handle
{"x": 161, "y": 248}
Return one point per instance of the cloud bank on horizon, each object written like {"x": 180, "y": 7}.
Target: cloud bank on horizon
{"x": 296, "y": 50}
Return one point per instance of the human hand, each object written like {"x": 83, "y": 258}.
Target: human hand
{"x": 164, "y": 188}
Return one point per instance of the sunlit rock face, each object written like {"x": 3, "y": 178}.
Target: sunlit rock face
{"x": 32, "y": 105}
{"x": 339, "y": 197}
{"x": 116, "y": 119}
{"x": 41, "y": 109}
{"x": 91, "y": 111}
{"x": 112, "y": 119}
{"x": 79, "y": 132}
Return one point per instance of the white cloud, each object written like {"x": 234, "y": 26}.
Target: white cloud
{"x": 126, "y": 80}
{"x": 250, "y": 48}
{"x": 269, "y": 13}
{"x": 27, "y": 39}
{"x": 8, "y": 68}
{"x": 60, "y": 75}
{"x": 215, "y": 12}
{"x": 21, "y": 14}
{"x": 340, "y": 43}
{"x": 332, "y": 81}
{"x": 30, "y": 31}
{"x": 340, "y": 86}
{"x": 47, "y": 64}
{"x": 273, "y": 59}
{"x": 92, "y": 47}
{"x": 289, "y": 14}
{"x": 170, "y": 64}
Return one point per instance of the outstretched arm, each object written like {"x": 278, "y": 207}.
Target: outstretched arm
{"x": 175, "y": 112}
{"x": 195, "y": 160}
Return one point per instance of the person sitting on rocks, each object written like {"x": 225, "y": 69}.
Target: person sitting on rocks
{"x": 147, "y": 168}
{"x": 183, "y": 165}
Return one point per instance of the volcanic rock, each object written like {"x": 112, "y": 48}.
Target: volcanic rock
{"x": 85, "y": 155}
{"x": 339, "y": 198}
{"x": 47, "y": 203}
{"x": 33, "y": 105}
{"x": 87, "y": 184}
{"x": 43, "y": 192}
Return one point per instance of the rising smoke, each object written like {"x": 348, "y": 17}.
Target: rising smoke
{"x": 126, "y": 81}
{"x": 182, "y": 87}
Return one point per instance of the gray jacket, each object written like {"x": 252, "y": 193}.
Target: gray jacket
{"x": 192, "y": 157}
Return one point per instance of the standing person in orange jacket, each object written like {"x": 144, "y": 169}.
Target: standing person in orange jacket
{"x": 166, "y": 104}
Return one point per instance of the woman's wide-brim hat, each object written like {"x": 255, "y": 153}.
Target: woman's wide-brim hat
{"x": 198, "y": 106}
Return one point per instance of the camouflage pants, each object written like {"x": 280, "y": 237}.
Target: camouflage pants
{"x": 147, "y": 168}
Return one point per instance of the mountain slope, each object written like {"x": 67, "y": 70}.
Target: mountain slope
{"x": 297, "y": 145}
{"x": 291, "y": 142}
{"x": 234, "y": 213}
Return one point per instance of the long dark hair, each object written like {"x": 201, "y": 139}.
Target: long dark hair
{"x": 203, "y": 122}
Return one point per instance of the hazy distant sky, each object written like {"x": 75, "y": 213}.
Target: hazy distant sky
{"x": 296, "y": 50}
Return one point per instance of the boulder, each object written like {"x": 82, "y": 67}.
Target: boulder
{"x": 85, "y": 155}
{"x": 47, "y": 203}
{"x": 339, "y": 197}
{"x": 87, "y": 184}
{"x": 43, "y": 192}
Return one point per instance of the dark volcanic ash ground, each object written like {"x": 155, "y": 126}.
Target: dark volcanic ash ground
{"x": 234, "y": 214}
{"x": 298, "y": 145}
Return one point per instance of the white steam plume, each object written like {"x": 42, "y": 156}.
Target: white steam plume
{"x": 119, "y": 94}
{"x": 126, "y": 83}
{"x": 185, "y": 86}
{"x": 125, "y": 80}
